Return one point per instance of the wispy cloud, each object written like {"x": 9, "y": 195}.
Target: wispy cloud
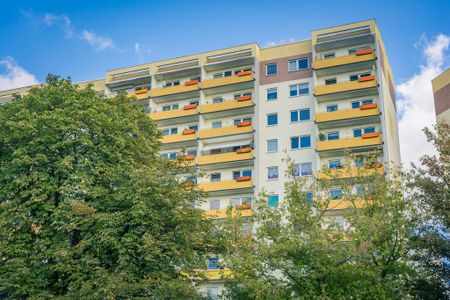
{"x": 12, "y": 75}
{"x": 141, "y": 51}
{"x": 280, "y": 42}
{"x": 98, "y": 42}
{"x": 415, "y": 103}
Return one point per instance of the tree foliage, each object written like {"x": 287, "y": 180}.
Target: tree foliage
{"x": 301, "y": 250}
{"x": 88, "y": 208}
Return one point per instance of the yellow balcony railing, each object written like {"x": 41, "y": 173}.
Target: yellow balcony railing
{"x": 349, "y": 172}
{"x": 162, "y": 115}
{"x": 164, "y": 91}
{"x": 345, "y": 87}
{"x": 214, "y": 274}
{"x": 223, "y": 158}
{"x": 227, "y": 105}
{"x": 225, "y": 185}
{"x": 176, "y": 138}
{"x": 348, "y": 143}
{"x": 344, "y": 204}
{"x": 225, "y": 131}
{"x": 346, "y": 114}
{"x": 222, "y": 213}
{"x": 211, "y": 83}
{"x": 342, "y": 60}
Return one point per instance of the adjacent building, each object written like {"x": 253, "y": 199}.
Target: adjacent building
{"x": 237, "y": 113}
{"x": 441, "y": 93}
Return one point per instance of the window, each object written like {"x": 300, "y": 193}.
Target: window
{"x": 272, "y": 201}
{"x": 213, "y": 263}
{"x": 271, "y": 69}
{"x": 217, "y": 124}
{"x": 242, "y": 200}
{"x": 353, "y": 51}
{"x": 192, "y": 152}
{"x": 300, "y": 115}
{"x": 272, "y": 119}
{"x": 329, "y": 55}
{"x": 223, "y": 74}
{"x": 355, "y": 77}
{"x": 299, "y": 64}
{"x": 303, "y": 169}
{"x": 215, "y": 177}
{"x": 246, "y": 119}
{"x": 360, "y": 191}
{"x": 308, "y": 196}
{"x": 170, "y": 131}
{"x": 331, "y": 108}
{"x": 358, "y": 131}
{"x": 329, "y": 81}
{"x": 359, "y": 161}
{"x": 272, "y": 94}
{"x": 212, "y": 293}
{"x": 336, "y": 193}
{"x": 217, "y": 100}
{"x": 241, "y": 173}
{"x": 272, "y": 173}
{"x": 333, "y": 135}
{"x": 334, "y": 164}
{"x": 301, "y": 142}
{"x": 236, "y": 96}
{"x": 369, "y": 130}
{"x": 299, "y": 89}
{"x": 357, "y": 104}
{"x": 171, "y": 155}
{"x": 171, "y": 83}
{"x": 214, "y": 204}
{"x": 272, "y": 145}
{"x": 193, "y": 127}
{"x": 170, "y": 107}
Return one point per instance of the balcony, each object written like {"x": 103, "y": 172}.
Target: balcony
{"x": 363, "y": 141}
{"x": 225, "y": 131}
{"x": 360, "y": 57}
{"x": 140, "y": 94}
{"x": 217, "y": 274}
{"x": 171, "y": 114}
{"x": 226, "y": 105}
{"x": 224, "y": 158}
{"x": 240, "y": 78}
{"x": 344, "y": 204}
{"x": 346, "y": 173}
{"x": 368, "y": 110}
{"x": 222, "y": 213}
{"x": 189, "y": 86}
{"x": 369, "y": 82}
{"x": 178, "y": 138}
{"x": 227, "y": 185}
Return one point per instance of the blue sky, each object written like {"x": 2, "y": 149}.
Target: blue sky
{"x": 83, "y": 39}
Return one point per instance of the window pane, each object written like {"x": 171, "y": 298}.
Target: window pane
{"x": 305, "y": 141}
{"x": 272, "y": 119}
{"x": 294, "y": 143}
{"x": 304, "y": 115}
{"x": 304, "y": 89}
{"x": 334, "y": 164}
{"x": 293, "y": 90}
{"x": 273, "y": 201}
{"x": 303, "y": 63}
{"x": 369, "y": 101}
{"x": 215, "y": 177}
{"x": 214, "y": 204}
{"x": 331, "y": 108}
{"x": 247, "y": 173}
{"x": 217, "y": 100}
{"x": 308, "y": 196}
{"x": 353, "y": 77}
{"x": 292, "y": 65}
{"x": 174, "y": 131}
{"x": 306, "y": 169}
{"x": 248, "y": 119}
{"x": 227, "y": 73}
{"x": 236, "y": 174}
{"x": 369, "y": 129}
{"x": 217, "y": 124}
{"x": 236, "y": 201}
{"x": 235, "y": 121}
{"x": 329, "y": 55}
{"x": 336, "y": 194}
{"x": 272, "y": 145}
{"x": 272, "y": 94}
{"x": 334, "y": 135}
{"x": 271, "y": 69}
{"x": 330, "y": 81}
{"x": 357, "y": 132}
{"x": 294, "y": 116}
{"x": 355, "y": 104}
{"x": 213, "y": 263}
{"x": 166, "y": 108}
{"x": 272, "y": 172}
{"x": 359, "y": 162}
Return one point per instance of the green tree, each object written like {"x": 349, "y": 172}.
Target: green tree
{"x": 88, "y": 208}
{"x": 430, "y": 184}
{"x": 303, "y": 250}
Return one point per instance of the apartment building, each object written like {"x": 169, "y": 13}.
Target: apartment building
{"x": 441, "y": 93}
{"x": 236, "y": 113}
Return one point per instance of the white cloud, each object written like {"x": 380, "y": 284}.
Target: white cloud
{"x": 62, "y": 21}
{"x": 98, "y": 42}
{"x": 280, "y": 42}
{"x": 141, "y": 51}
{"x": 14, "y": 76}
{"x": 415, "y": 103}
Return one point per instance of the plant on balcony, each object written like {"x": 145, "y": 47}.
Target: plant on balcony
{"x": 244, "y": 73}
{"x": 190, "y": 106}
{"x": 368, "y": 106}
{"x": 322, "y": 136}
{"x": 188, "y": 131}
{"x": 243, "y": 178}
{"x": 370, "y": 135}
{"x": 244, "y": 150}
{"x": 244, "y": 98}
{"x": 364, "y": 52}
{"x": 243, "y": 124}
{"x": 191, "y": 82}
{"x": 141, "y": 91}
